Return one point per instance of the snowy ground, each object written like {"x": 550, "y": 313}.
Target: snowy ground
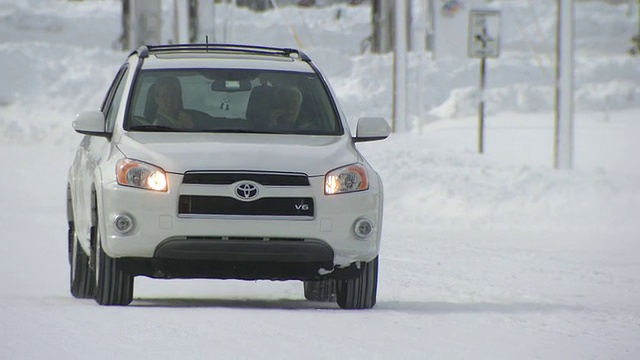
{"x": 493, "y": 256}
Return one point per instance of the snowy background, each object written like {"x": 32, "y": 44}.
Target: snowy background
{"x": 492, "y": 256}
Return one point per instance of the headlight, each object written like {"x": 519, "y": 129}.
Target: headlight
{"x": 346, "y": 179}
{"x": 142, "y": 175}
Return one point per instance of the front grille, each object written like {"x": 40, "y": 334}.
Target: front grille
{"x": 226, "y": 178}
{"x": 269, "y": 206}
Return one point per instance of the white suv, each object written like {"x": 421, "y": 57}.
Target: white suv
{"x": 223, "y": 162}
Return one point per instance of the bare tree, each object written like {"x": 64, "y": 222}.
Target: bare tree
{"x": 141, "y": 23}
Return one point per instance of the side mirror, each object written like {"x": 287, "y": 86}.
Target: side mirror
{"x": 90, "y": 123}
{"x": 371, "y": 128}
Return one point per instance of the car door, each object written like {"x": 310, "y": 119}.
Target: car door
{"x": 93, "y": 150}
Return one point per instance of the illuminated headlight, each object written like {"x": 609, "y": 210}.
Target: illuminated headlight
{"x": 141, "y": 175}
{"x": 363, "y": 228}
{"x": 123, "y": 223}
{"x": 346, "y": 179}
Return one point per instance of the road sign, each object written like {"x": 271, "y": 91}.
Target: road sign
{"x": 484, "y": 34}
{"x": 483, "y": 42}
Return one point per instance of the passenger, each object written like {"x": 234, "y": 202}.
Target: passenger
{"x": 285, "y": 107}
{"x": 168, "y": 97}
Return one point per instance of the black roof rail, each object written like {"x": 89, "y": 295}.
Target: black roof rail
{"x": 142, "y": 51}
{"x": 145, "y": 50}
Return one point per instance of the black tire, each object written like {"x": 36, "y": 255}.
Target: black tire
{"x": 359, "y": 292}
{"x": 113, "y": 285}
{"x": 81, "y": 276}
{"x": 71, "y": 232}
{"x": 323, "y": 290}
{"x": 70, "y": 237}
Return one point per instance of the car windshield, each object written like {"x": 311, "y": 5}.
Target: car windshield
{"x": 231, "y": 100}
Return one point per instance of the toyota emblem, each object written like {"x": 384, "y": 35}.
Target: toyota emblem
{"x": 246, "y": 191}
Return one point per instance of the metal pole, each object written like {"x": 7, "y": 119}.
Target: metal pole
{"x": 400, "y": 69}
{"x": 481, "y": 108}
{"x": 564, "y": 87}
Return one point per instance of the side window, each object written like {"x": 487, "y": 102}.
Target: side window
{"x": 113, "y": 100}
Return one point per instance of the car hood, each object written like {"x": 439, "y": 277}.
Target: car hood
{"x": 181, "y": 152}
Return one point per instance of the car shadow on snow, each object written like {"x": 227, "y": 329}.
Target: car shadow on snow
{"x": 427, "y": 307}
{"x": 422, "y": 307}
{"x": 276, "y": 304}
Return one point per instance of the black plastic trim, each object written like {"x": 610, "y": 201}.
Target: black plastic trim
{"x": 245, "y": 250}
{"x": 145, "y": 50}
{"x": 228, "y": 178}
{"x": 267, "y": 206}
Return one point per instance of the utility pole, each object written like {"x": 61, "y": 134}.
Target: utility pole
{"x": 563, "y": 150}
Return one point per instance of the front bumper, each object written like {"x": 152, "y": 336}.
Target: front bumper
{"x": 161, "y": 234}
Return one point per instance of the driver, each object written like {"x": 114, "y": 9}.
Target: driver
{"x": 168, "y": 97}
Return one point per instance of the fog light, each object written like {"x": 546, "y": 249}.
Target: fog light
{"x": 363, "y": 228}
{"x": 123, "y": 223}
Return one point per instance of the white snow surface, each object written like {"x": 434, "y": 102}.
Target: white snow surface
{"x": 485, "y": 256}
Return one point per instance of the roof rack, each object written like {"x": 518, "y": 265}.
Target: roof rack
{"x": 144, "y": 50}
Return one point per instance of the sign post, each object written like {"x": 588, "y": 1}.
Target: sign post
{"x": 483, "y": 42}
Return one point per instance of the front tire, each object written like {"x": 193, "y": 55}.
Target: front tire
{"x": 113, "y": 285}
{"x": 82, "y": 280}
{"x": 359, "y": 292}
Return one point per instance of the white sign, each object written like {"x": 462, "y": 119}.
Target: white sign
{"x": 484, "y": 34}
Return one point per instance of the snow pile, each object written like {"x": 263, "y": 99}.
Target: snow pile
{"x": 521, "y": 79}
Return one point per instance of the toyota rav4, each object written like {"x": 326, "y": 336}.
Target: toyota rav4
{"x": 223, "y": 162}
